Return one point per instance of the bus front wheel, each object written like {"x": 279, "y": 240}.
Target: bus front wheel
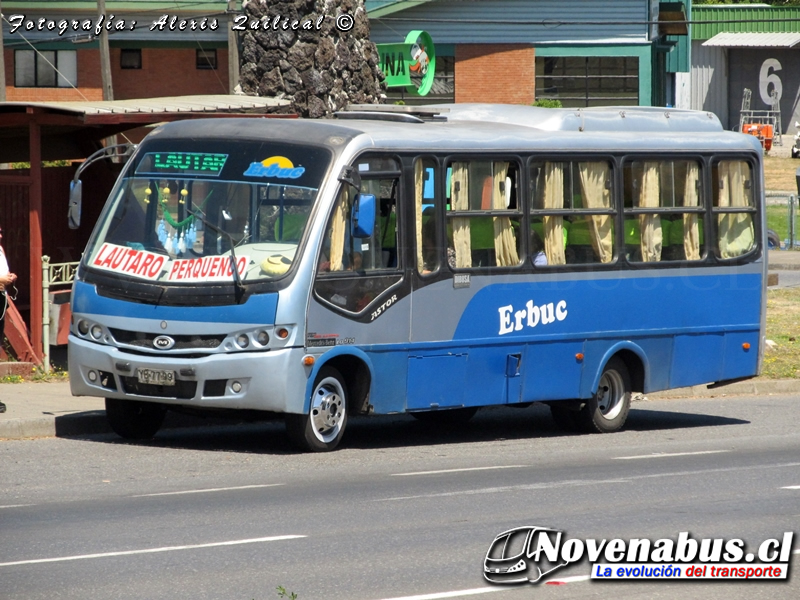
{"x": 322, "y": 428}
{"x": 134, "y": 420}
{"x": 606, "y": 411}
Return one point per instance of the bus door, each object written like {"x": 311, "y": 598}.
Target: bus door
{"x": 360, "y": 296}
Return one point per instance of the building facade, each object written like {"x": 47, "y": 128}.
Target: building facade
{"x": 52, "y": 52}
{"x": 747, "y": 47}
{"x": 518, "y": 51}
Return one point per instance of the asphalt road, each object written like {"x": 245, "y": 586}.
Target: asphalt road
{"x": 402, "y": 510}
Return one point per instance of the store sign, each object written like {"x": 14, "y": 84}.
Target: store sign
{"x": 415, "y": 56}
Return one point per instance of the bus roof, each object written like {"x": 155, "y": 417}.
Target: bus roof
{"x": 495, "y": 128}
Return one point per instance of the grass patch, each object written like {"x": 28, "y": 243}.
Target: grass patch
{"x": 38, "y": 375}
{"x": 783, "y": 328}
{"x": 778, "y": 221}
{"x": 779, "y": 174}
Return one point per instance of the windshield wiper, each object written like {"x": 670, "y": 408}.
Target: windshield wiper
{"x": 237, "y": 280}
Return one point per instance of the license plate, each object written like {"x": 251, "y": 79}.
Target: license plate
{"x": 156, "y": 376}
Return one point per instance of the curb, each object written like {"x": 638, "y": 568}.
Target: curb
{"x": 94, "y": 422}
{"x": 784, "y": 266}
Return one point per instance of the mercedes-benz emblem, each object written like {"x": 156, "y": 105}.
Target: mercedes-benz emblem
{"x": 163, "y": 342}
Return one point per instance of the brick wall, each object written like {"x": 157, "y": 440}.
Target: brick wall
{"x": 502, "y": 73}
{"x": 168, "y": 72}
{"x": 164, "y": 72}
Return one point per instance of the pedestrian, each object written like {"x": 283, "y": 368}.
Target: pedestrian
{"x": 7, "y": 278}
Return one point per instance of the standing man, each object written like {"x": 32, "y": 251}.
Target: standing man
{"x": 6, "y": 279}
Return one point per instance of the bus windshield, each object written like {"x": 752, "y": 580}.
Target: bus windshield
{"x": 179, "y": 215}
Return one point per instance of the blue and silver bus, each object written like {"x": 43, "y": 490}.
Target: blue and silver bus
{"x": 423, "y": 260}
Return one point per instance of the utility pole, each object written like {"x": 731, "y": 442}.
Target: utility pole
{"x": 105, "y": 56}
{"x": 2, "y": 60}
{"x": 233, "y": 50}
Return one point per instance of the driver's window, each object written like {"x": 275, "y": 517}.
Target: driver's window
{"x": 343, "y": 252}
{"x": 352, "y": 271}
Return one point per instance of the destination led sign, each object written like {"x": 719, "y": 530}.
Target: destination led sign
{"x": 182, "y": 163}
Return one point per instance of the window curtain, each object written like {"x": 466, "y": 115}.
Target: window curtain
{"x": 691, "y": 198}
{"x": 419, "y": 185}
{"x": 736, "y": 235}
{"x": 596, "y": 195}
{"x": 459, "y": 197}
{"x": 650, "y": 225}
{"x": 505, "y": 242}
{"x": 554, "y": 224}
{"x": 339, "y": 229}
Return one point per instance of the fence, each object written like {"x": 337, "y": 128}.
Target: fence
{"x": 56, "y": 304}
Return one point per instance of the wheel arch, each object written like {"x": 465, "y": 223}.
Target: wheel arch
{"x": 355, "y": 368}
{"x": 635, "y": 360}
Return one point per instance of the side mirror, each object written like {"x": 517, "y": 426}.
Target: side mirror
{"x": 74, "y": 213}
{"x": 362, "y": 222}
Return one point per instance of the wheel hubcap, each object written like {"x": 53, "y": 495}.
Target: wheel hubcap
{"x": 327, "y": 409}
{"x": 610, "y": 393}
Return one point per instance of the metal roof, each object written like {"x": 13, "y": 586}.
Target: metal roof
{"x": 709, "y": 20}
{"x": 72, "y": 130}
{"x": 177, "y": 104}
{"x": 754, "y": 40}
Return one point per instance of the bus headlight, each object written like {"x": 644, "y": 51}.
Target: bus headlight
{"x": 83, "y": 327}
{"x": 262, "y": 337}
{"x": 242, "y": 340}
{"x": 97, "y": 332}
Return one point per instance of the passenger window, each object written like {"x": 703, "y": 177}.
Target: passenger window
{"x": 483, "y": 214}
{"x": 733, "y": 208}
{"x": 572, "y": 214}
{"x": 663, "y": 211}
{"x": 427, "y": 232}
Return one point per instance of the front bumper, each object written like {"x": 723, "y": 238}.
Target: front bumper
{"x": 272, "y": 381}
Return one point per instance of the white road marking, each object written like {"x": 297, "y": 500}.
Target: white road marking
{"x": 454, "y": 594}
{"x": 459, "y": 470}
{"x": 275, "y": 538}
{"x": 16, "y": 505}
{"x": 573, "y": 579}
{"x": 664, "y": 455}
{"x": 509, "y": 488}
{"x": 788, "y": 487}
{"x": 582, "y": 482}
{"x": 208, "y": 490}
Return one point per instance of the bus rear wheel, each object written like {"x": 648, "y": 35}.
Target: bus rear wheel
{"x": 607, "y": 410}
{"x": 322, "y": 428}
{"x": 134, "y": 420}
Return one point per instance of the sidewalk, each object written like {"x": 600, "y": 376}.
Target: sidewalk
{"x": 780, "y": 260}
{"x": 49, "y": 409}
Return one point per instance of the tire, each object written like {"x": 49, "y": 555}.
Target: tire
{"x": 607, "y": 410}
{"x": 134, "y": 420}
{"x": 322, "y": 428}
{"x": 773, "y": 241}
{"x": 446, "y": 417}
